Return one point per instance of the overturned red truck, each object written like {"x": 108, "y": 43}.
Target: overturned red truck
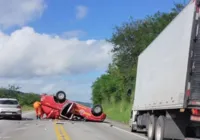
{"x": 57, "y": 106}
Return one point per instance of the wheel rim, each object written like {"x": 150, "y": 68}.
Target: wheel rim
{"x": 158, "y": 132}
{"x": 60, "y": 96}
{"x": 150, "y": 130}
{"x": 97, "y": 109}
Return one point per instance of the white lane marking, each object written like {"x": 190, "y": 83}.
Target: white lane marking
{"x": 22, "y": 128}
{"x": 40, "y": 125}
{"x": 142, "y": 137}
{"x": 120, "y": 129}
{"x": 5, "y": 137}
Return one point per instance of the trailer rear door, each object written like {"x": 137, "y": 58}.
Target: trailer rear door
{"x": 194, "y": 63}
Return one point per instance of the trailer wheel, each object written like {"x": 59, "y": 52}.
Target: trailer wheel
{"x": 133, "y": 128}
{"x": 151, "y": 127}
{"x": 160, "y": 124}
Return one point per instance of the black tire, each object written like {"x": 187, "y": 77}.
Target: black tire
{"x": 19, "y": 117}
{"x": 61, "y": 96}
{"x": 160, "y": 125}
{"x": 97, "y": 110}
{"x": 151, "y": 127}
{"x": 85, "y": 120}
{"x": 133, "y": 129}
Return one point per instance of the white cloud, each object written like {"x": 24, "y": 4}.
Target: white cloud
{"x": 43, "y": 63}
{"x": 47, "y": 88}
{"x": 81, "y": 11}
{"x": 19, "y": 12}
{"x": 28, "y": 54}
{"x": 38, "y": 62}
{"x": 73, "y": 34}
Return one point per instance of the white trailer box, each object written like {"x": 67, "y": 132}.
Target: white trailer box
{"x": 163, "y": 65}
{"x": 167, "y": 92}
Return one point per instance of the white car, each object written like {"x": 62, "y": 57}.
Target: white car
{"x": 10, "y": 107}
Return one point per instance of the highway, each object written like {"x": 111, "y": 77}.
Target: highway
{"x": 31, "y": 129}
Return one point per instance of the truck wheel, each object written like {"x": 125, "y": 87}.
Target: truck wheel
{"x": 61, "y": 96}
{"x": 160, "y": 125}
{"x": 133, "y": 129}
{"x": 151, "y": 127}
{"x": 19, "y": 117}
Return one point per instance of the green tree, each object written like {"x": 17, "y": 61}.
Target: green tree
{"x": 24, "y": 98}
{"x": 129, "y": 40}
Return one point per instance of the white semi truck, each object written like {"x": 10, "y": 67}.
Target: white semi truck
{"x": 167, "y": 92}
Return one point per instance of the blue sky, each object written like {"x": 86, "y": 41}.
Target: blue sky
{"x": 61, "y": 43}
{"x": 102, "y": 16}
{"x": 100, "y": 19}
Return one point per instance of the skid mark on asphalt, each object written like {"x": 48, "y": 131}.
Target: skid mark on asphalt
{"x": 61, "y": 133}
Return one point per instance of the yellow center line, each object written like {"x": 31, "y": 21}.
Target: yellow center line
{"x": 60, "y": 131}
{"x": 66, "y": 136}
{"x": 57, "y": 132}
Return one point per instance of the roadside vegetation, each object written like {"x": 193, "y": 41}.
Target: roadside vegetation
{"x": 26, "y": 99}
{"x": 115, "y": 89}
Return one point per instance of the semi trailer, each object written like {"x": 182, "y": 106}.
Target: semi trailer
{"x": 167, "y": 90}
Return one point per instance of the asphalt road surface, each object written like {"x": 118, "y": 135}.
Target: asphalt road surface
{"x": 31, "y": 129}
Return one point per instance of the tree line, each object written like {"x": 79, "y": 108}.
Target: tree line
{"x": 25, "y": 99}
{"x": 129, "y": 40}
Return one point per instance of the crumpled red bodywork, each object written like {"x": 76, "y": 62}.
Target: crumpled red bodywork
{"x": 54, "y": 110}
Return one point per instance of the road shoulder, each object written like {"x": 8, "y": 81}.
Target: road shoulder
{"x": 118, "y": 124}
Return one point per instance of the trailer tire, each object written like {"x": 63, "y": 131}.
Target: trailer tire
{"x": 133, "y": 129}
{"x": 151, "y": 127}
{"x": 139, "y": 120}
{"x": 160, "y": 125}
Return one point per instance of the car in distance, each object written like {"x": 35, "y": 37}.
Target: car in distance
{"x": 10, "y": 108}
{"x": 57, "y": 106}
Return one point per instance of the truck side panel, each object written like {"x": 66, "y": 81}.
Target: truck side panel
{"x": 162, "y": 67}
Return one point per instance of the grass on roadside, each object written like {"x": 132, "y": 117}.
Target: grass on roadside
{"x": 27, "y": 108}
{"x": 118, "y": 112}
